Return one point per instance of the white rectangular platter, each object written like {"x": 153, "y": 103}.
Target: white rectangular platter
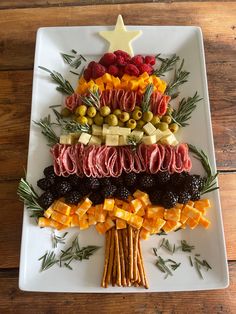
{"x": 86, "y": 276}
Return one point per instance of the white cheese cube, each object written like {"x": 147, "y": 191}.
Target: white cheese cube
{"x": 122, "y": 140}
{"x": 149, "y": 128}
{"x": 65, "y": 139}
{"x": 112, "y": 140}
{"x": 166, "y": 132}
{"x": 95, "y": 140}
{"x": 124, "y": 131}
{"x": 149, "y": 139}
{"x": 159, "y": 134}
{"x": 137, "y": 134}
{"x": 114, "y": 130}
{"x": 84, "y": 138}
{"x": 168, "y": 140}
{"x": 105, "y": 129}
{"x": 96, "y": 130}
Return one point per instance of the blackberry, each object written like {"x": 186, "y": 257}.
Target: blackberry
{"x": 48, "y": 170}
{"x": 108, "y": 191}
{"x": 92, "y": 183}
{"x": 146, "y": 181}
{"x": 177, "y": 179}
{"x": 63, "y": 187}
{"x": 162, "y": 177}
{"x": 196, "y": 196}
{"x": 82, "y": 189}
{"x": 169, "y": 199}
{"x": 46, "y": 199}
{"x": 105, "y": 182}
{"x": 44, "y": 184}
{"x": 192, "y": 184}
{"x": 74, "y": 180}
{"x": 130, "y": 179}
{"x": 184, "y": 197}
{"x": 122, "y": 193}
{"x": 73, "y": 197}
{"x": 117, "y": 181}
{"x": 54, "y": 191}
{"x": 155, "y": 197}
{"x": 96, "y": 198}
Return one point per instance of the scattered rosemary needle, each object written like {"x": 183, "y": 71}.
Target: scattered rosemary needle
{"x": 56, "y": 239}
{"x": 133, "y": 142}
{"x": 185, "y": 247}
{"x": 64, "y": 86}
{"x": 146, "y": 98}
{"x": 28, "y": 195}
{"x": 46, "y": 129}
{"x": 48, "y": 260}
{"x": 209, "y": 183}
{"x": 167, "y": 64}
{"x": 93, "y": 98}
{"x": 166, "y": 244}
{"x": 185, "y": 109}
{"x": 179, "y": 79}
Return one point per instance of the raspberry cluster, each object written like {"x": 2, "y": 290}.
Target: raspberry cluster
{"x": 118, "y": 64}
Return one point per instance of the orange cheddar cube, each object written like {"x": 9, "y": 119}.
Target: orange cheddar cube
{"x": 73, "y": 210}
{"x": 108, "y": 224}
{"x": 121, "y": 213}
{"x": 136, "y": 205}
{"x": 111, "y": 215}
{"x": 171, "y": 225}
{"x": 180, "y": 206}
{"x": 191, "y": 212}
{"x": 190, "y": 203}
{"x": 155, "y": 212}
{"x": 192, "y": 223}
{"x": 75, "y": 222}
{"x": 109, "y": 204}
{"x": 172, "y": 214}
{"x": 62, "y": 208}
{"x": 83, "y": 207}
{"x": 120, "y": 224}
{"x": 145, "y": 200}
{"x": 100, "y": 227}
{"x": 203, "y": 221}
{"x": 119, "y": 203}
{"x": 144, "y": 234}
{"x": 63, "y": 219}
{"x": 126, "y": 206}
{"x": 91, "y": 220}
{"x": 48, "y": 212}
{"x": 183, "y": 218}
{"x": 91, "y": 210}
{"x": 144, "y": 76}
{"x": 204, "y": 203}
{"x": 83, "y": 223}
{"x": 116, "y": 82}
{"x": 100, "y": 214}
{"x": 141, "y": 212}
{"x": 138, "y": 194}
{"x": 135, "y": 221}
{"x": 45, "y": 222}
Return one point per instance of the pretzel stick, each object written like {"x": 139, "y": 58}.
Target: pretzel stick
{"x": 125, "y": 246}
{"x": 142, "y": 279}
{"x": 122, "y": 259}
{"x": 141, "y": 259}
{"x": 108, "y": 241}
{"x": 131, "y": 262}
{"x": 136, "y": 239}
{"x": 114, "y": 270}
{"x": 118, "y": 270}
{"x": 111, "y": 258}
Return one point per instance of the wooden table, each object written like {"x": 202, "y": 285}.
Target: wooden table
{"x": 18, "y": 24}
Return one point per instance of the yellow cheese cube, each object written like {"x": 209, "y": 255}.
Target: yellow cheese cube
{"x": 191, "y": 212}
{"x": 155, "y": 212}
{"x": 49, "y": 211}
{"x": 83, "y": 223}
{"x": 63, "y": 219}
{"x": 84, "y": 206}
{"x": 136, "y": 205}
{"x": 120, "y": 223}
{"x": 100, "y": 214}
{"x": 135, "y": 221}
{"x": 91, "y": 220}
{"x": 61, "y": 208}
{"x": 45, "y": 222}
{"x": 109, "y": 204}
{"x": 171, "y": 225}
{"x": 203, "y": 221}
{"x": 75, "y": 222}
{"x": 172, "y": 214}
{"x": 205, "y": 203}
{"x": 121, "y": 213}
{"x": 141, "y": 212}
{"x": 144, "y": 234}
{"x": 108, "y": 224}
{"x": 100, "y": 227}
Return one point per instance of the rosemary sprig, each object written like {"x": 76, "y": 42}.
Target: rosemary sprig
{"x": 165, "y": 265}
{"x": 145, "y": 104}
{"x": 209, "y": 183}
{"x": 185, "y": 109}
{"x": 72, "y": 60}
{"x": 93, "y": 98}
{"x": 46, "y": 129}
{"x": 185, "y": 247}
{"x": 28, "y": 195}
{"x": 179, "y": 79}
{"x": 64, "y": 86}
{"x": 48, "y": 260}
{"x": 167, "y": 64}
{"x": 166, "y": 244}
{"x": 56, "y": 239}
{"x": 133, "y": 142}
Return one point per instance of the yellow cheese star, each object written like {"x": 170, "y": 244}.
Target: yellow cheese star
{"x": 120, "y": 38}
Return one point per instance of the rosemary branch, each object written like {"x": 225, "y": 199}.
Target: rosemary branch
{"x": 167, "y": 64}
{"x": 146, "y": 98}
{"x": 46, "y": 129}
{"x": 73, "y": 60}
{"x": 93, "y": 98}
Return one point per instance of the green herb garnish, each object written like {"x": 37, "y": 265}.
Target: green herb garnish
{"x": 185, "y": 247}
{"x": 185, "y": 109}
{"x": 72, "y": 60}
{"x": 179, "y": 79}
{"x": 56, "y": 239}
{"x": 64, "y": 86}
{"x": 48, "y": 260}
{"x": 167, "y": 65}
{"x": 145, "y": 104}
{"x": 28, "y": 195}
{"x": 93, "y": 99}
{"x": 166, "y": 244}
{"x": 46, "y": 129}
{"x": 165, "y": 265}
{"x": 133, "y": 142}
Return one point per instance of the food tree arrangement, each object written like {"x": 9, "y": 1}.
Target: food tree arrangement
{"x": 118, "y": 164}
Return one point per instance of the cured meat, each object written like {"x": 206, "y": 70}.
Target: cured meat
{"x": 103, "y": 161}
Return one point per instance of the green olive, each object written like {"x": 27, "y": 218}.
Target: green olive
{"x": 98, "y": 119}
{"x": 121, "y": 124}
{"x": 137, "y": 108}
{"x": 105, "y": 111}
{"x": 124, "y": 116}
{"x": 82, "y": 120}
{"x": 112, "y": 120}
{"x": 131, "y": 124}
{"x": 117, "y": 112}
{"x": 162, "y": 126}
{"x": 166, "y": 119}
{"x": 155, "y": 120}
{"x": 137, "y": 114}
{"x": 65, "y": 112}
{"x": 90, "y": 120}
{"x": 81, "y": 110}
{"x": 147, "y": 116}
{"x": 140, "y": 124}
{"x": 174, "y": 127}
{"x": 91, "y": 112}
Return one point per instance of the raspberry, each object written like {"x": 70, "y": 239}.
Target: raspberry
{"x": 113, "y": 70}
{"x": 123, "y": 54}
{"x": 98, "y": 70}
{"x": 121, "y": 61}
{"x": 121, "y": 72}
{"x": 150, "y": 60}
{"x": 137, "y": 60}
{"x": 91, "y": 64}
{"x": 87, "y": 74}
{"x": 108, "y": 59}
{"x": 131, "y": 69}
{"x": 145, "y": 68}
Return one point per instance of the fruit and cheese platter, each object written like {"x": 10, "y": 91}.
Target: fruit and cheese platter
{"x": 121, "y": 191}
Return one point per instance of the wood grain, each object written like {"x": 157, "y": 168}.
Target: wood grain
{"x": 11, "y": 213}
{"x": 215, "y": 301}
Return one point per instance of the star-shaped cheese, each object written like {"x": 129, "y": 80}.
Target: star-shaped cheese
{"x": 120, "y": 38}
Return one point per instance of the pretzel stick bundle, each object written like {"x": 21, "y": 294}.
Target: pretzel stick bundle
{"x": 123, "y": 264}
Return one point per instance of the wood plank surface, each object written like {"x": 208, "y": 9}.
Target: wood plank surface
{"x": 213, "y": 302}
{"x": 11, "y": 213}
